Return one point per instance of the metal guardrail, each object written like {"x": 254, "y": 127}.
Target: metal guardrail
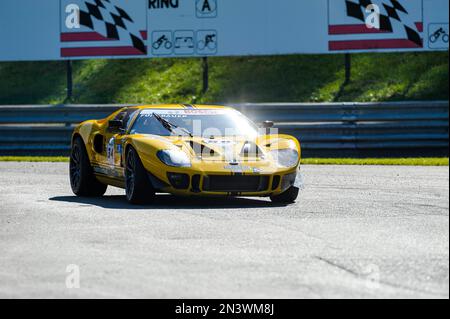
{"x": 332, "y": 129}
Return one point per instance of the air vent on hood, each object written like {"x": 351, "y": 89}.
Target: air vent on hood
{"x": 250, "y": 149}
{"x": 201, "y": 150}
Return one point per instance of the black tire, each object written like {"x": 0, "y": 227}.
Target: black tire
{"x": 138, "y": 188}
{"x": 288, "y": 197}
{"x": 82, "y": 179}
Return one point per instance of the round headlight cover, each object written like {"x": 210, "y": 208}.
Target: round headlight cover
{"x": 286, "y": 158}
{"x": 174, "y": 158}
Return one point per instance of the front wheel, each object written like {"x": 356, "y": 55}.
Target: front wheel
{"x": 288, "y": 197}
{"x": 137, "y": 184}
{"x": 82, "y": 179}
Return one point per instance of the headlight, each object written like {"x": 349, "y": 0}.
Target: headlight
{"x": 174, "y": 158}
{"x": 286, "y": 157}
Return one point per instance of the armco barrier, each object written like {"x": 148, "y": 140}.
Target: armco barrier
{"x": 329, "y": 129}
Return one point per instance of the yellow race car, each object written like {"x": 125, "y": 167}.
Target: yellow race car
{"x": 186, "y": 150}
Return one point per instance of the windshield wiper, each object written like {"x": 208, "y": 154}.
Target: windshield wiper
{"x": 170, "y": 126}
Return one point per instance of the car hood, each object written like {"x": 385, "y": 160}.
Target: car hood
{"x": 223, "y": 149}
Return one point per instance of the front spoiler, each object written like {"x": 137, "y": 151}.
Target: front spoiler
{"x": 287, "y": 179}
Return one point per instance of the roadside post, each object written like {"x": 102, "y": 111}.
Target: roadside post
{"x": 205, "y": 68}
{"x": 348, "y": 68}
{"x": 69, "y": 80}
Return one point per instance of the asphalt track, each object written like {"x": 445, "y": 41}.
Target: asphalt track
{"x": 356, "y": 232}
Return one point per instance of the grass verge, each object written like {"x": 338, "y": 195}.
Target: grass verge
{"x": 292, "y": 78}
{"x": 49, "y": 159}
{"x": 377, "y": 161}
{"x": 305, "y": 161}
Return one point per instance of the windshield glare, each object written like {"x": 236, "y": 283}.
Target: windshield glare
{"x": 204, "y": 123}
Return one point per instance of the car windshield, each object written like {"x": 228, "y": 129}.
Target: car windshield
{"x": 198, "y": 122}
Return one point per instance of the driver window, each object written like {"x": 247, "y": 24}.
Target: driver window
{"x": 125, "y": 117}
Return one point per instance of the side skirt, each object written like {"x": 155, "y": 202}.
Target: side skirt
{"x": 109, "y": 176}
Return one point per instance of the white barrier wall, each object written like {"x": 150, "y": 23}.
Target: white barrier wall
{"x": 80, "y": 29}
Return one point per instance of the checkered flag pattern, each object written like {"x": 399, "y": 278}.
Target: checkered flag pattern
{"x": 112, "y": 22}
{"x": 391, "y": 12}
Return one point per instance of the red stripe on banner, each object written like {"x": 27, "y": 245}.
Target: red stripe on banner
{"x": 360, "y": 29}
{"x": 352, "y": 29}
{"x": 90, "y": 36}
{"x": 100, "y": 51}
{"x": 419, "y": 26}
{"x": 372, "y": 44}
{"x": 83, "y": 36}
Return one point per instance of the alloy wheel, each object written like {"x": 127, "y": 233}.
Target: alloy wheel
{"x": 75, "y": 167}
{"x": 130, "y": 174}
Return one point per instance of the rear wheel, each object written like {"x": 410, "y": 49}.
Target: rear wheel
{"x": 137, "y": 184}
{"x": 288, "y": 197}
{"x": 82, "y": 179}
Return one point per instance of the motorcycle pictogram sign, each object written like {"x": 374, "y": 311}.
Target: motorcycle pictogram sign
{"x": 438, "y": 36}
{"x": 162, "y": 43}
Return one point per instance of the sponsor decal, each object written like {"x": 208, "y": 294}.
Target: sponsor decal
{"x": 219, "y": 142}
{"x": 150, "y": 112}
{"x": 238, "y": 168}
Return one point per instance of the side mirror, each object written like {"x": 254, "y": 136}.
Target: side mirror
{"x": 115, "y": 125}
{"x": 267, "y": 124}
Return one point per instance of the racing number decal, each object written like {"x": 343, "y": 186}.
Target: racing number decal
{"x": 110, "y": 150}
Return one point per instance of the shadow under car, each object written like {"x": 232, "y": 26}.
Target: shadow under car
{"x": 170, "y": 202}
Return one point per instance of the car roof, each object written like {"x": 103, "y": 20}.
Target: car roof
{"x": 184, "y": 107}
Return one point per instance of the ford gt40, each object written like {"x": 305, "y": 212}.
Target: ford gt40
{"x": 185, "y": 150}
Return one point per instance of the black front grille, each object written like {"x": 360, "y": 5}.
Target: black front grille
{"x": 196, "y": 183}
{"x": 235, "y": 183}
{"x": 276, "y": 182}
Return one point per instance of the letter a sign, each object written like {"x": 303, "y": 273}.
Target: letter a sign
{"x": 206, "y": 8}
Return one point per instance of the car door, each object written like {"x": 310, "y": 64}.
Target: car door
{"x": 111, "y": 159}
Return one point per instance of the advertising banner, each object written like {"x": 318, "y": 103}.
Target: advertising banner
{"x": 84, "y": 29}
